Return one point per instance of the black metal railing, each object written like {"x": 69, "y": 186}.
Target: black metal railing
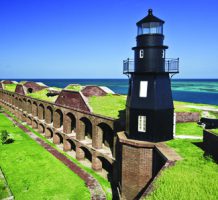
{"x": 171, "y": 66}
{"x": 128, "y": 66}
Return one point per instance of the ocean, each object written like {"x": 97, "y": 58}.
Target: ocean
{"x": 189, "y": 90}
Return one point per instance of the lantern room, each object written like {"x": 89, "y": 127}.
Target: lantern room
{"x": 150, "y": 25}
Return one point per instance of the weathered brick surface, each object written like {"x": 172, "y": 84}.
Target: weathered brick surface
{"x": 80, "y": 154}
{"x": 49, "y": 115}
{"x": 187, "y": 117}
{"x": 41, "y": 128}
{"x": 72, "y": 99}
{"x": 96, "y": 163}
{"x": 33, "y": 87}
{"x": 136, "y": 170}
{"x": 20, "y": 90}
{"x": 57, "y": 138}
{"x": 48, "y": 133}
{"x": 93, "y": 91}
{"x": 41, "y": 112}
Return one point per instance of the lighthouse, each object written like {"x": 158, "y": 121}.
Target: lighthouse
{"x": 149, "y": 105}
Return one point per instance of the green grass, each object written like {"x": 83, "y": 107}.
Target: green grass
{"x": 104, "y": 183}
{"x": 42, "y": 95}
{"x": 108, "y": 105}
{"x": 74, "y": 87}
{"x": 3, "y": 189}
{"x": 215, "y": 131}
{"x": 195, "y": 177}
{"x": 189, "y": 128}
{"x": 34, "y": 173}
{"x": 182, "y": 106}
{"x": 22, "y": 82}
{"x": 10, "y": 87}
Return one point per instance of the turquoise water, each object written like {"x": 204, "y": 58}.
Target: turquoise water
{"x": 189, "y": 90}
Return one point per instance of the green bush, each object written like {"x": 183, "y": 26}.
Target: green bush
{"x": 5, "y": 137}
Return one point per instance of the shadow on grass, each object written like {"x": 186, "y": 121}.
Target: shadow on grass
{"x": 207, "y": 156}
{"x": 9, "y": 141}
{"x": 199, "y": 145}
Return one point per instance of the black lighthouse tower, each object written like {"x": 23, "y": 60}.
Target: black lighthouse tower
{"x": 149, "y": 106}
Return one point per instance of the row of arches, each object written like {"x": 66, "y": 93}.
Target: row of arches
{"x": 99, "y": 163}
{"x": 69, "y": 123}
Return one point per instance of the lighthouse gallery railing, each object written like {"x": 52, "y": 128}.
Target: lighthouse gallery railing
{"x": 171, "y": 65}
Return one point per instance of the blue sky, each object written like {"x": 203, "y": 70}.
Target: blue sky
{"x": 91, "y": 38}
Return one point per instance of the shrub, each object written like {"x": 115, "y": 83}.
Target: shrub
{"x": 4, "y": 136}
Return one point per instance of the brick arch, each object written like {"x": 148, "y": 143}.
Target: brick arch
{"x": 58, "y": 138}
{"x": 29, "y": 121}
{"x": 29, "y": 106}
{"x": 106, "y": 134}
{"x": 69, "y": 123}
{"x": 35, "y": 124}
{"x": 87, "y": 153}
{"x": 69, "y": 145}
{"x": 41, "y": 111}
{"x": 58, "y": 118}
{"x": 41, "y": 128}
{"x": 107, "y": 166}
{"x": 86, "y": 127}
{"x": 34, "y": 109}
{"x": 49, "y": 115}
{"x": 20, "y": 103}
{"x": 48, "y": 133}
{"x": 24, "y": 104}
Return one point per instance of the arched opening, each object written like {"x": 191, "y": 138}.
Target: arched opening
{"x": 86, "y": 127}
{"x": 16, "y": 102}
{"x": 48, "y": 133}
{"x": 49, "y": 115}
{"x": 35, "y": 109}
{"x": 29, "y": 121}
{"x": 58, "y": 119}
{"x": 34, "y": 124}
{"x": 24, "y": 104}
{"x": 30, "y": 90}
{"x": 57, "y": 139}
{"x": 70, "y": 123}
{"x": 29, "y": 106}
{"x": 41, "y": 113}
{"x": 69, "y": 145}
{"x": 87, "y": 153}
{"x": 20, "y": 104}
{"x": 41, "y": 128}
{"x": 107, "y": 134}
{"x": 107, "y": 167}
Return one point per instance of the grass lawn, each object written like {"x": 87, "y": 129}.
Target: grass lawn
{"x": 108, "y": 105}
{"x": 193, "y": 178}
{"x": 3, "y": 189}
{"x": 10, "y": 87}
{"x": 189, "y": 128}
{"x": 33, "y": 173}
{"x": 74, "y": 87}
{"x": 42, "y": 95}
{"x": 182, "y": 106}
{"x": 215, "y": 131}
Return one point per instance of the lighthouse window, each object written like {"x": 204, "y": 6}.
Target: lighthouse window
{"x": 142, "y": 123}
{"x": 141, "y": 53}
{"x": 143, "y": 89}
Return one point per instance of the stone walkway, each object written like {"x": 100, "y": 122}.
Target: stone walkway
{"x": 95, "y": 188}
{"x": 188, "y": 137}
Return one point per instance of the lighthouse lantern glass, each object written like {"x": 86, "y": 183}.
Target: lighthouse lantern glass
{"x": 150, "y": 28}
